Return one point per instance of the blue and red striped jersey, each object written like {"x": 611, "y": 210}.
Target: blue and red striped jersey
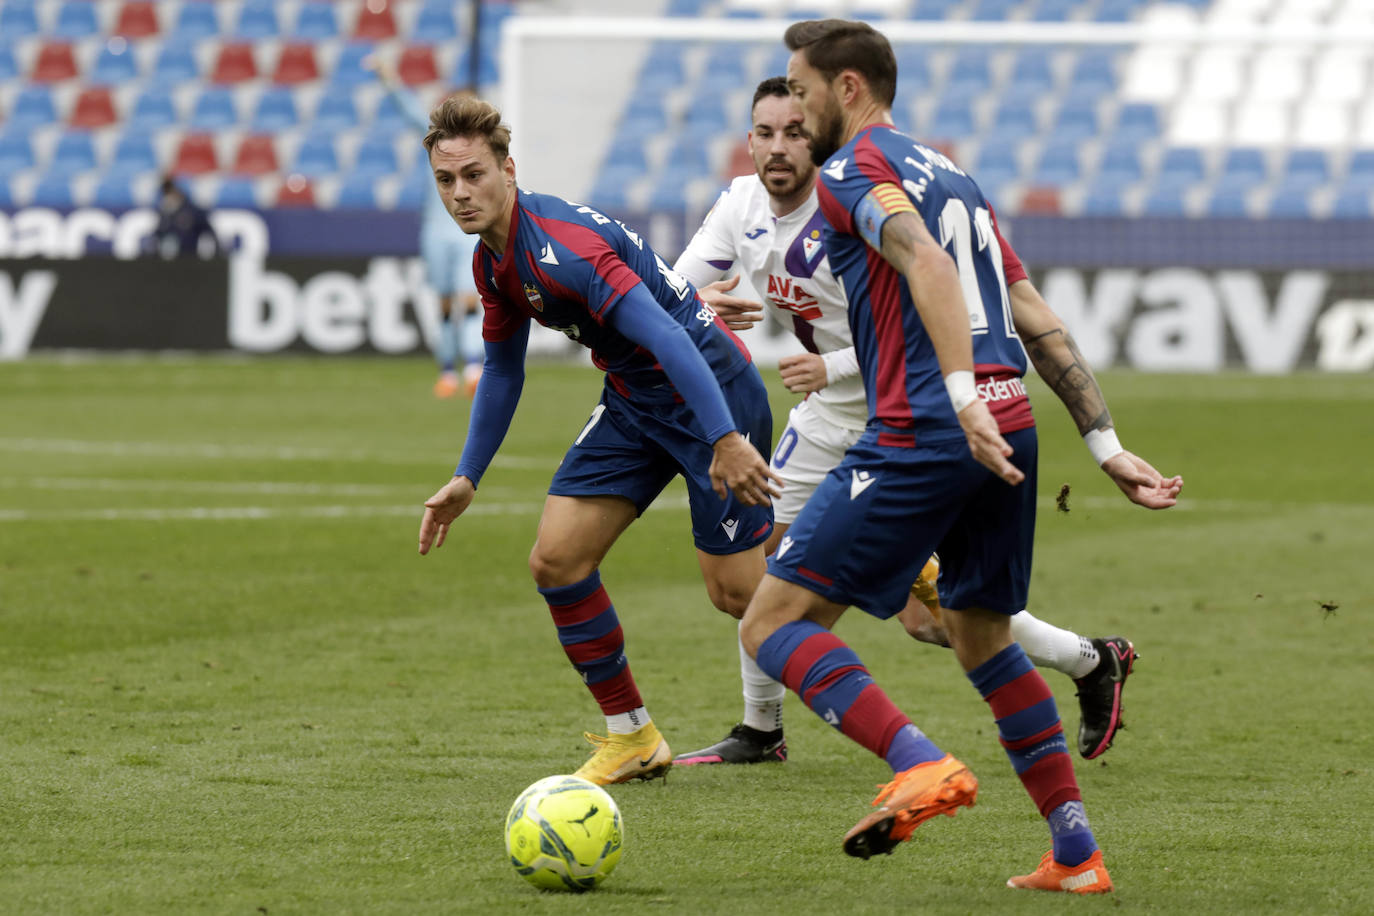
{"x": 568, "y": 266}
{"x": 883, "y": 171}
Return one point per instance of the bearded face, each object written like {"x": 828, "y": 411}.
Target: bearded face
{"x": 827, "y": 135}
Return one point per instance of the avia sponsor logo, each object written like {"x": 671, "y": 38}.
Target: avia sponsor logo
{"x": 992, "y": 390}
{"x": 788, "y": 294}
{"x": 1182, "y": 319}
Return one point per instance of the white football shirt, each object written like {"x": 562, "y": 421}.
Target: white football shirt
{"x": 784, "y": 260}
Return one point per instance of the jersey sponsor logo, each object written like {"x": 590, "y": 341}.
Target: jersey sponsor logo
{"x": 994, "y": 389}
{"x": 731, "y": 525}
{"x": 835, "y": 169}
{"x": 831, "y": 717}
{"x": 860, "y": 481}
{"x": 535, "y": 298}
{"x": 755, "y": 233}
{"x": 548, "y": 257}
{"x": 784, "y": 545}
{"x": 787, "y": 293}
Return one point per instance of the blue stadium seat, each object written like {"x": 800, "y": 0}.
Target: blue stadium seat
{"x": 1104, "y": 198}
{"x": 390, "y": 116}
{"x": 1076, "y": 120}
{"x": 970, "y": 74}
{"x": 996, "y": 164}
{"x": 358, "y": 191}
{"x": 669, "y": 193}
{"x": 153, "y": 109}
{"x": 33, "y": 106}
{"x": 16, "y": 152}
{"x": 645, "y": 112}
{"x": 1031, "y": 69}
{"x": 687, "y": 157}
{"x": 18, "y": 19}
{"x": 53, "y": 190}
{"x": 1244, "y": 164}
{"x": 237, "y": 193}
{"x": 612, "y": 187}
{"x": 1353, "y": 202}
{"x": 257, "y": 19}
{"x": 724, "y": 70}
{"x": 196, "y": 21}
{"x": 1181, "y": 166}
{"x": 913, "y": 69}
{"x": 214, "y": 109}
{"x": 1229, "y": 198}
{"x": 1165, "y": 200}
{"x": 684, "y": 7}
{"x": 74, "y": 152}
{"x": 1116, "y": 10}
{"x": 706, "y": 115}
{"x": 1137, "y": 122}
{"x": 1058, "y": 164}
{"x": 376, "y": 155}
{"x": 1011, "y": 123}
{"x": 1306, "y": 167}
{"x": 1292, "y": 201}
{"x": 349, "y": 69}
{"x": 1052, "y": 10}
{"x": 416, "y": 187}
{"x": 115, "y": 191}
{"x": 114, "y": 65}
{"x": 335, "y": 110}
{"x": 133, "y": 152}
{"x": 1120, "y": 163}
{"x": 626, "y": 155}
{"x": 276, "y": 111}
{"x": 9, "y": 67}
{"x": 993, "y": 10}
{"x": 6, "y": 195}
{"x": 176, "y": 62}
{"x": 316, "y": 21}
{"x": 434, "y": 23}
{"x": 933, "y": 10}
{"x": 75, "y": 19}
{"x": 662, "y": 70}
{"x": 1360, "y": 168}
{"x": 952, "y": 120}
{"x": 1094, "y": 73}
{"x": 316, "y": 156}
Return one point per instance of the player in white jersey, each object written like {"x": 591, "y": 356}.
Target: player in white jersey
{"x": 767, "y": 226}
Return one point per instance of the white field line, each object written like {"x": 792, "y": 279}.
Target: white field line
{"x": 211, "y": 450}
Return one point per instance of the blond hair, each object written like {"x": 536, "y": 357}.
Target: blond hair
{"x": 464, "y": 115}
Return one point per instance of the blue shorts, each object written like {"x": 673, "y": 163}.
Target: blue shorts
{"x": 879, "y": 515}
{"x": 632, "y": 450}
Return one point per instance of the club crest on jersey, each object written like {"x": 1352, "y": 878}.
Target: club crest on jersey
{"x": 811, "y": 245}
{"x": 536, "y": 300}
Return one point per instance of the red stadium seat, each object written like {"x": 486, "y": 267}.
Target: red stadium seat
{"x": 1040, "y": 202}
{"x": 137, "y": 19}
{"x": 55, "y": 63}
{"x": 195, "y": 155}
{"x": 295, "y": 64}
{"x": 375, "y": 22}
{"x": 417, "y": 65}
{"x": 296, "y": 191}
{"x": 234, "y": 64}
{"x": 93, "y": 108}
{"x": 256, "y": 156}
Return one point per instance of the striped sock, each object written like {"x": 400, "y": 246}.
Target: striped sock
{"x": 591, "y": 636}
{"x": 1028, "y": 725}
{"x": 816, "y": 665}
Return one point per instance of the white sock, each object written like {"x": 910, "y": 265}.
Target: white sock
{"x": 625, "y": 723}
{"x": 762, "y": 695}
{"x": 1050, "y": 646}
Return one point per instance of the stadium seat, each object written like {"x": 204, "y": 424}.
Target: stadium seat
{"x": 375, "y": 23}
{"x": 114, "y": 65}
{"x": 256, "y": 155}
{"x": 1230, "y": 198}
{"x": 357, "y": 191}
{"x": 951, "y": 121}
{"x": 137, "y": 19}
{"x": 969, "y": 75}
{"x": 316, "y": 22}
{"x": 349, "y": 69}
{"x": 115, "y": 191}
{"x": 53, "y": 190}
{"x": 376, "y": 155}
{"x": 33, "y": 106}
{"x": 1041, "y": 202}
{"x": 1031, "y": 70}
{"x": 1217, "y": 73}
{"x": 295, "y": 64}
{"x": 6, "y": 195}
{"x": 133, "y": 152}
{"x": 1136, "y": 122}
{"x": 1325, "y": 124}
{"x": 1012, "y": 122}
{"x": 1360, "y": 168}
{"x": 1104, "y": 198}
{"x": 1154, "y": 74}
{"x": 996, "y": 159}
{"x": 706, "y": 115}
{"x": 434, "y": 23}
{"x": 316, "y": 156}
{"x": 257, "y": 20}
{"x": 1052, "y": 10}
{"x": 153, "y": 109}
{"x": 1306, "y": 168}
{"x": 1277, "y": 74}
{"x": 1244, "y": 164}
{"x": 933, "y": 10}
{"x": 1093, "y": 74}
{"x": 416, "y": 66}
{"x": 176, "y": 63}
{"x": 214, "y": 109}
{"x": 275, "y": 111}
{"x": 234, "y": 64}
{"x": 415, "y": 189}
{"x": 94, "y": 107}
{"x": 1340, "y": 74}
{"x": 1076, "y": 120}
{"x": 75, "y": 19}
{"x": 389, "y": 116}
{"x": 1350, "y": 202}
{"x": 913, "y": 70}
{"x": 668, "y": 193}
{"x": 74, "y": 152}
{"x": 1181, "y": 166}
{"x": 1120, "y": 163}
{"x": 662, "y": 70}
{"x": 1058, "y": 164}
{"x": 335, "y": 110}
{"x": 688, "y": 159}
{"x": 54, "y": 64}
{"x": 296, "y": 191}
{"x": 196, "y": 21}
{"x": 9, "y": 67}
{"x": 237, "y": 192}
{"x": 1115, "y": 10}
{"x": 1165, "y": 201}
{"x": 1290, "y": 202}
{"x": 195, "y": 155}
{"x": 1254, "y": 124}
{"x": 992, "y": 10}
{"x": 16, "y": 152}
{"x": 18, "y": 19}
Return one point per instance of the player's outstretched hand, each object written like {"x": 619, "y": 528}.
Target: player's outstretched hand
{"x": 441, "y": 509}
{"x": 1141, "y": 483}
{"x": 738, "y": 467}
{"x": 986, "y": 443}
{"x": 802, "y": 372}
{"x": 738, "y": 314}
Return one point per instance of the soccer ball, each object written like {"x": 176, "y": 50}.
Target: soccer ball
{"x": 563, "y": 833}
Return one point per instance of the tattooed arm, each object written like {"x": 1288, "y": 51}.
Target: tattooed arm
{"x": 1059, "y": 362}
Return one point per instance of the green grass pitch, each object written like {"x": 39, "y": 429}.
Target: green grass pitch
{"x": 229, "y": 684}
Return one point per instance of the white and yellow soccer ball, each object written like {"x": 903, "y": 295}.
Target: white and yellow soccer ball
{"x": 564, "y": 833}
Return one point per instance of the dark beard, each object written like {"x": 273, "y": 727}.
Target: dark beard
{"x": 827, "y": 138}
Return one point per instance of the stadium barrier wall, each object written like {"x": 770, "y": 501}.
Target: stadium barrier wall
{"x": 1159, "y": 295}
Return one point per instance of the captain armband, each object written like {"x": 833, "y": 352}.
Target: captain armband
{"x": 881, "y": 201}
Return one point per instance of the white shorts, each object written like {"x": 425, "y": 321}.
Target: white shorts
{"x": 807, "y": 450}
